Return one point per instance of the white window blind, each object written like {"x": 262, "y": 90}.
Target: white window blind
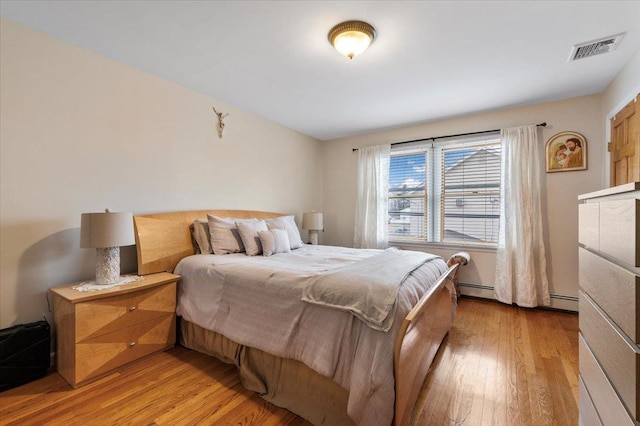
{"x": 407, "y": 196}
{"x": 446, "y": 192}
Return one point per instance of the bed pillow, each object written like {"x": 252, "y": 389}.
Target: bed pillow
{"x": 248, "y": 230}
{"x": 274, "y": 242}
{"x": 288, "y": 223}
{"x": 200, "y": 233}
{"x": 225, "y": 238}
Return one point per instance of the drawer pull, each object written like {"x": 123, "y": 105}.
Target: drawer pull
{"x": 132, "y": 344}
{"x": 131, "y": 309}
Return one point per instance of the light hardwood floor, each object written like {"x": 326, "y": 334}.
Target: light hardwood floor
{"x": 500, "y": 365}
{"x": 504, "y": 365}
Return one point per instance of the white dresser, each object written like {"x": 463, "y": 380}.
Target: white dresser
{"x": 609, "y": 236}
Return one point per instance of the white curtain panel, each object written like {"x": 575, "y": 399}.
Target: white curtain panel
{"x": 521, "y": 265}
{"x": 372, "y": 204}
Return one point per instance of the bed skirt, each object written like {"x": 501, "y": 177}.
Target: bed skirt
{"x": 283, "y": 382}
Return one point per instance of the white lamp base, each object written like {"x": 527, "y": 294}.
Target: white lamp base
{"x": 313, "y": 237}
{"x": 107, "y": 265}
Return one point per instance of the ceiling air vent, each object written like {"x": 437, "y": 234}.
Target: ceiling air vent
{"x": 595, "y": 47}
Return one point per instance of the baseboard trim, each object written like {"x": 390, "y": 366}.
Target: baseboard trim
{"x": 563, "y": 302}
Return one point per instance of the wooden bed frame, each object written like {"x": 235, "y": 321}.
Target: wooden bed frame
{"x": 163, "y": 239}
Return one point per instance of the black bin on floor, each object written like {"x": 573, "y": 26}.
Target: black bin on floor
{"x": 24, "y": 353}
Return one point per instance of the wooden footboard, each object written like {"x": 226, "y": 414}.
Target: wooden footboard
{"x": 419, "y": 338}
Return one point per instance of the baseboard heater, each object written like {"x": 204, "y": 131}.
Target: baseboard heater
{"x": 559, "y": 301}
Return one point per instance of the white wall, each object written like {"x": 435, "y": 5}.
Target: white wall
{"x": 622, "y": 90}
{"x": 559, "y": 190}
{"x": 624, "y": 87}
{"x": 81, "y": 133}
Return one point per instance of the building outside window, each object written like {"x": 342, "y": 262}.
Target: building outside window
{"x": 445, "y": 192}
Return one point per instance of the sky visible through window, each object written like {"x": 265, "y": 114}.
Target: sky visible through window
{"x": 408, "y": 170}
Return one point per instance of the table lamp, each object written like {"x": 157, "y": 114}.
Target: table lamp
{"x": 313, "y": 223}
{"x": 107, "y": 232}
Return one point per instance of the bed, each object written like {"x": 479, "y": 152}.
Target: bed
{"x": 358, "y": 372}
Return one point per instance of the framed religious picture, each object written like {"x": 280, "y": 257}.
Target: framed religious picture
{"x": 566, "y": 151}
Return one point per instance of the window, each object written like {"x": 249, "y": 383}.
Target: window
{"x": 447, "y": 192}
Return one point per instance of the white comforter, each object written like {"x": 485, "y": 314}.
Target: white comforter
{"x": 253, "y": 301}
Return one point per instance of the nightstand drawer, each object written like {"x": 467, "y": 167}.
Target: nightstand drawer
{"x": 101, "y": 316}
{"x": 102, "y": 354}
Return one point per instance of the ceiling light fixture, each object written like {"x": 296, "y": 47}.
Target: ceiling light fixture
{"x": 351, "y": 38}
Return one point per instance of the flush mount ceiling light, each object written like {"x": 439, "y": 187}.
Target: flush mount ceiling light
{"x": 351, "y": 38}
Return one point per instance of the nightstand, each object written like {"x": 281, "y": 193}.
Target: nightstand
{"x": 99, "y": 332}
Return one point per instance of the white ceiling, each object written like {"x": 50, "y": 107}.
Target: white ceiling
{"x": 431, "y": 59}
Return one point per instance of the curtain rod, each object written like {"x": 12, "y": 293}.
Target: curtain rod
{"x": 433, "y": 139}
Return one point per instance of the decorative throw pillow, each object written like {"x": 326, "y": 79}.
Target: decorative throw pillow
{"x": 288, "y": 223}
{"x": 274, "y": 242}
{"x": 225, "y": 238}
{"x": 249, "y": 234}
{"x": 200, "y": 232}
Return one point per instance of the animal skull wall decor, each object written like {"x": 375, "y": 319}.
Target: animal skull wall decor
{"x": 221, "y": 117}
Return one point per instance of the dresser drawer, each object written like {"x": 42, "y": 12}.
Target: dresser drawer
{"x": 619, "y": 358}
{"x": 588, "y": 413}
{"x": 599, "y": 392}
{"x": 615, "y": 290}
{"x": 612, "y": 228}
{"x": 105, "y": 315}
{"x": 589, "y": 229}
{"x": 100, "y": 355}
{"x": 619, "y": 230}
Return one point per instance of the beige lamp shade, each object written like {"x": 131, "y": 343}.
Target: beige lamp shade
{"x": 101, "y": 230}
{"x": 107, "y": 232}
{"x": 312, "y": 221}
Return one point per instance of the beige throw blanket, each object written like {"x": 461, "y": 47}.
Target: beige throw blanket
{"x": 367, "y": 288}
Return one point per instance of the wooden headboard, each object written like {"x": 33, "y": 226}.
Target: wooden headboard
{"x": 163, "y": 239}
